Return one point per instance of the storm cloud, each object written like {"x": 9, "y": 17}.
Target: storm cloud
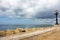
{"x": 28, "y": 11}
{"x": 29, "y": 8}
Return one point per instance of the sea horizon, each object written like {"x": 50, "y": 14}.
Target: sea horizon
{"x": 14, "y": 26}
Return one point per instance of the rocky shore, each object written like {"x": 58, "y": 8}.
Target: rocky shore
{"x": 18, "y": 31}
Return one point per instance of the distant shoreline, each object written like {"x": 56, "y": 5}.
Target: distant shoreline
{"x": 5, "y": 27}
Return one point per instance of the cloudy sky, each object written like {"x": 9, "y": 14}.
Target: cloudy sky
{"x": 28, "y": 11}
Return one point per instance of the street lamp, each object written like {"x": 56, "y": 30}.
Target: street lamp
{"x": 56, "y": 14}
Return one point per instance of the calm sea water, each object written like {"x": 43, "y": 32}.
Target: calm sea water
{"x": 5, "y": 27}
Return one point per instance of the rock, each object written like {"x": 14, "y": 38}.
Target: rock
{"x": 23, "y": 30}
{"x": 17, "y": 30}
{"x": 10, "y": 32}
{"x": 2, "y": 33}
{"x": 33, "y": 29}
{"x": 26, "y": 29}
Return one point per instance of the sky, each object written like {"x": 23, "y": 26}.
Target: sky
{"x": 28, "y": 11}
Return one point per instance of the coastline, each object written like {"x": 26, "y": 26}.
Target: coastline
{"x": 29, "y": 33}
{"x": 19, "y": 31}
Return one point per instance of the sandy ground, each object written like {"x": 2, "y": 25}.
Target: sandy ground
{"x": 50, "y": 35}
{"x": 53, "y": 36}
{"x": 28, "y": 36}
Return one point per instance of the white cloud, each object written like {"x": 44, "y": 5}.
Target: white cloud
{"x": 44, "y": 21}
{"x": 18, "y": 16}
{"x": 30, "y": 7}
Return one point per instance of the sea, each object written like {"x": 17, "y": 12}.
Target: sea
{"x": 13, "y": 27}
